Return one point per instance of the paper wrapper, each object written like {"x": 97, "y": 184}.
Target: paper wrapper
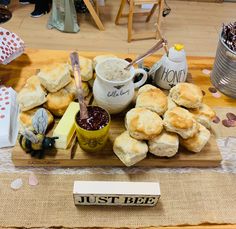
{"x": 11, "y": 46}
{"x": 8, "y": 117}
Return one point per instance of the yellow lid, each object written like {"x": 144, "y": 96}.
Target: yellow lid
{"x": 178, "y": 47}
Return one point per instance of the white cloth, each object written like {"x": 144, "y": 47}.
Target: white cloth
{"x": 227, "y": 147}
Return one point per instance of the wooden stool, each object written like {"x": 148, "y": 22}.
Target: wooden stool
{"x": 94, "y": 13}
{"x": 132, "y": 4}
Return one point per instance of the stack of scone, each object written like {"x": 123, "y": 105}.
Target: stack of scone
{"x": 159, "y": 123}
{"x": 53, "y": 88}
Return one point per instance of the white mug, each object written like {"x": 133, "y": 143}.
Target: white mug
{"x": 115, "y": 96}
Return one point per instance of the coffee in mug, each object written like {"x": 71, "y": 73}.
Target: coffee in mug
{"x": 113, "y": 87}
{"x": 114, "y": 70}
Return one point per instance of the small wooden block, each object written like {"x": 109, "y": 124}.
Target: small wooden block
{"x": 116, "y": 193}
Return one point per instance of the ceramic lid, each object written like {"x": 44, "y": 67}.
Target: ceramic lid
{"x": 177, "y": 53}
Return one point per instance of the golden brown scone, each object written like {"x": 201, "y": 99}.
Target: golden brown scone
{"x": 186, "y": 94}
{"x": 31, "y": 95}
{"x": 100, "y": 58}
{"x": 164, "y": 145}
{"x": 71, "y": 88}
{"x": 25, "y": 118}
{"x": 145, "y": 88}
{"x": 204, "y": 115}
{"x": 55, "y": 76}
{"x": 180, "y": 121}
{"x": 170, "y": 103}
{"x": 129, "y": 150}
{"x": 85, "y": 87}
{"x": 143, "y": 124}
{"x": 58, "y": 102}
{"x": 91, "y": 82}
{"x": 86, "y": 68}
{"x": 198, "y": 141}
{"x": 154, "y": 100}
{"x": 33, "y": 80}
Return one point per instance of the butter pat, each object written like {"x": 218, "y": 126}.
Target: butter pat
{"x": 66, "y": 127}
{"x": 116, "y": 193}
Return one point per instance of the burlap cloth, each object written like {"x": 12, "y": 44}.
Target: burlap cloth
{"x": 186, "y": 199}
{"x": 189, "y": 196}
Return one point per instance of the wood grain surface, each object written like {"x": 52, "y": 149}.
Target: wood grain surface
{"x": 195, "y": 24}
{"x": 208, "y": 157}
{"x": 16, "y": 74}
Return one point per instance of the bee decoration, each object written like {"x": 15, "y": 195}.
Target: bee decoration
{"x": 34, "y": 141}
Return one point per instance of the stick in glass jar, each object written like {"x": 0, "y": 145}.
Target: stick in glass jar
{"x": 78, "y": 82}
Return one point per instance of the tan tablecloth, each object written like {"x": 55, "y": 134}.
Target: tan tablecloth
{"x": 186, "y": 199}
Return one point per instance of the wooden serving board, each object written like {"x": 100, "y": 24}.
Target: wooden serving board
{"x": 208, "y": 157}
{"x": 16, "y": 73}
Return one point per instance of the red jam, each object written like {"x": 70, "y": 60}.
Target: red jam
{"x": 97, "y": 119}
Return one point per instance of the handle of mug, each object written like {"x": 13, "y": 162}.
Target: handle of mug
{"x": 144, "y": 78}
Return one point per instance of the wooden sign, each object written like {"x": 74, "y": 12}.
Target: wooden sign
{"x": 116, "y": 193}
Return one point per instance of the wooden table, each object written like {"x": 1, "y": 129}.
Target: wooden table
{"x": 16, "y": 73}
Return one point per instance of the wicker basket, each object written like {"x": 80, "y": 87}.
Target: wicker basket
{"x": 223, "y": 76}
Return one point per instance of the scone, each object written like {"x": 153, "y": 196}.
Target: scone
{"x": 198, "y": 141}
{"x": 143, "y": 124}
{"x": 154, "y": 100}
{"x": 204, "y": 115}
{"x": 85, "y": 87}
{"x": 86, "y": 68}
{"x": 145, "y": 88}
{"x": 164, "y": 145}
{"x": 180, "y": 121}
{"x": 58, "y": 102}
{"x": 100, "y": 58}
{"x": 71, "y": 88}
{"x": 33, "y": 80}
{"x": 25, "y": 118}
{"x": 31, "y": 95}
{"x": 186, "y": 94}
{"x": 54, "y": 77}
{"x": 129, "y": 150}
{"x": 170, "y": 103}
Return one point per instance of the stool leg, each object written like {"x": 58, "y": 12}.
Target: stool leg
{"x": 130, "y": 20}
{"x": 94, "y": 15}
{"x": 96, "y": 7}
{"x": 119, "y": 14}
{"x": 159, "y": 17}
{"x": 151, "y": 13}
